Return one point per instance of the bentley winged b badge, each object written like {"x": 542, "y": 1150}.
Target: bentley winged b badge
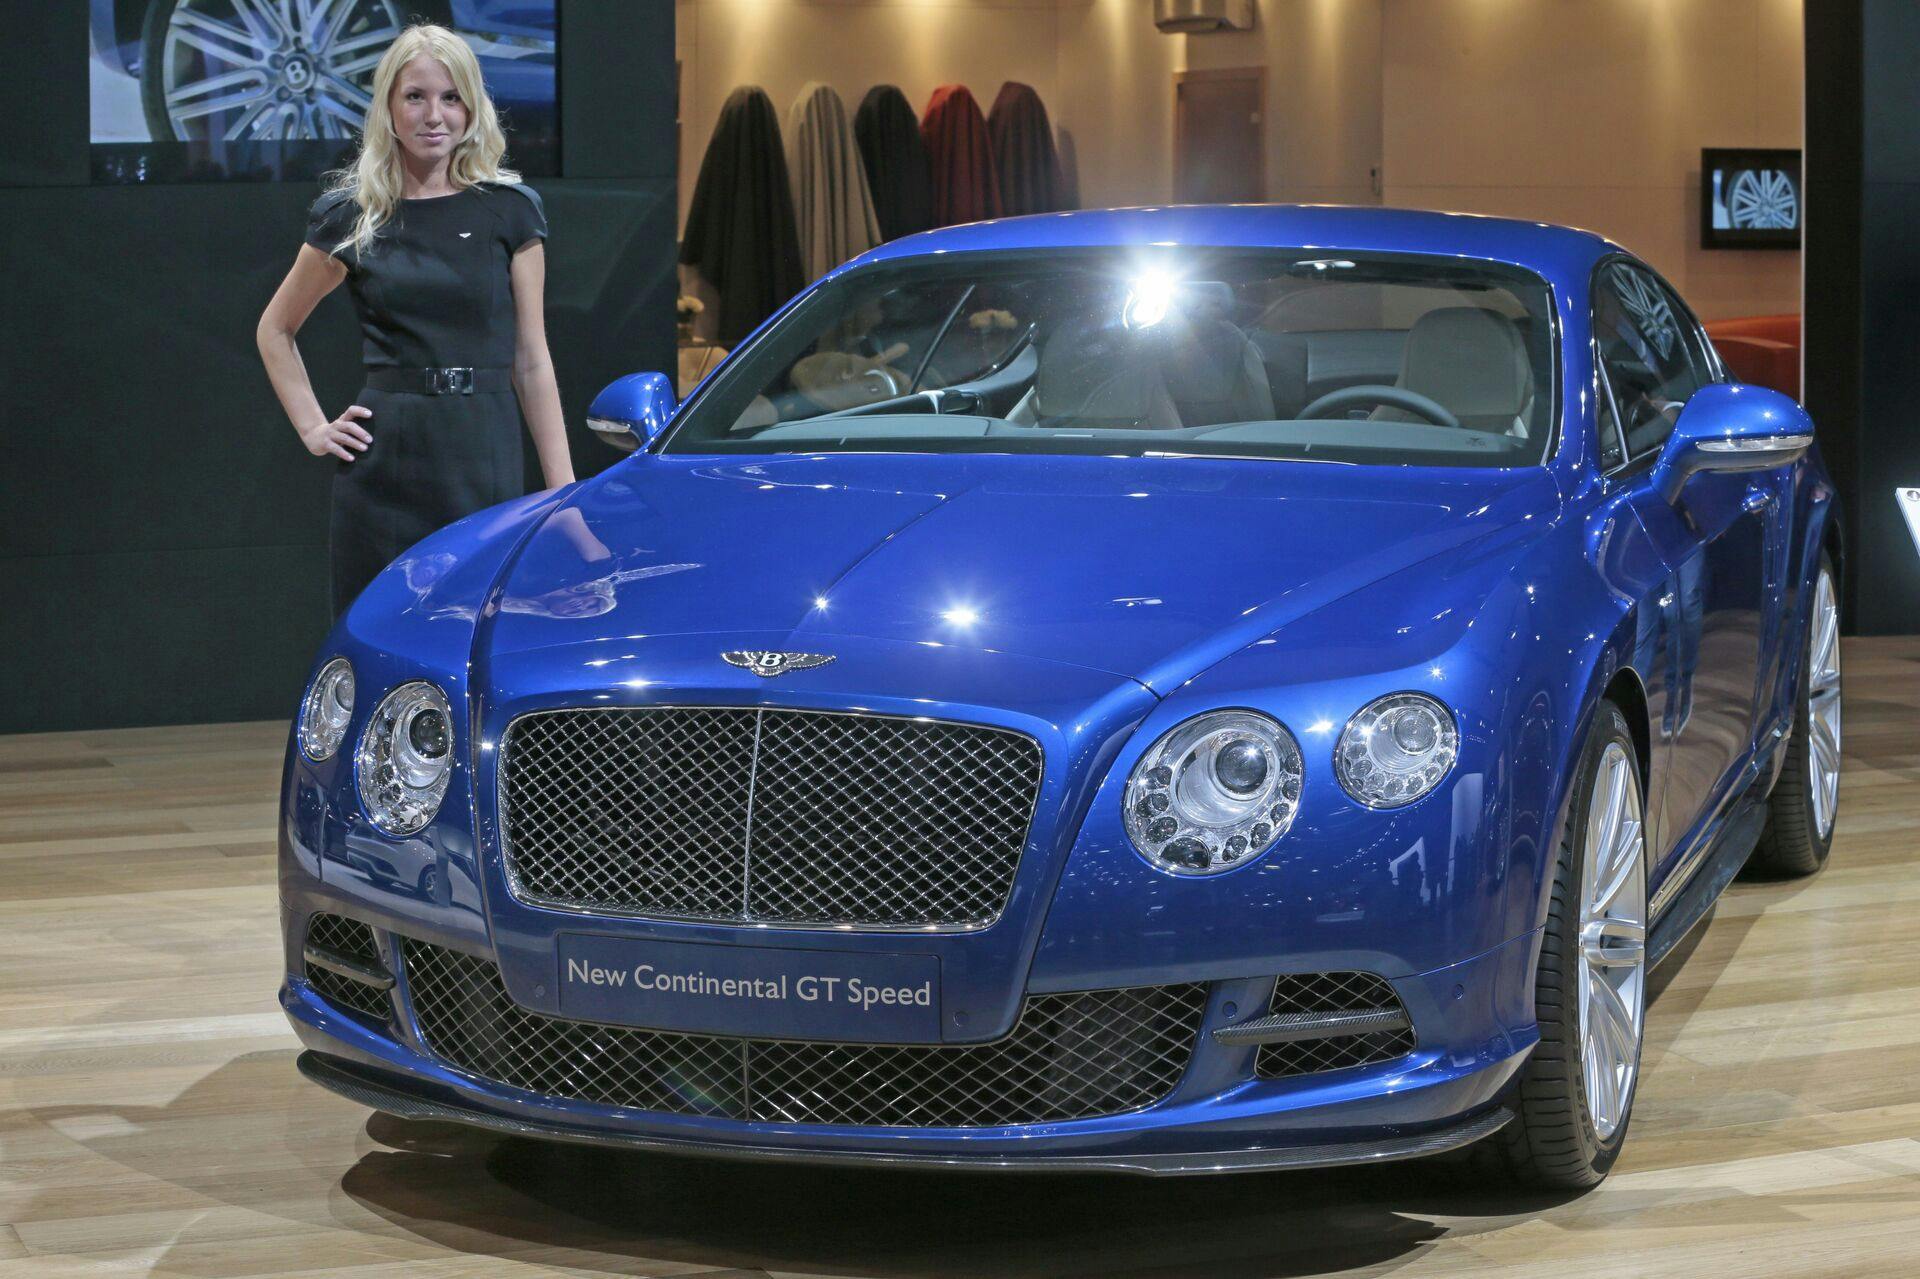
{"x": 771, "y": 664}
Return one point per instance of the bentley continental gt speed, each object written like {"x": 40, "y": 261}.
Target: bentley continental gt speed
{"x": 1165, "y": 690}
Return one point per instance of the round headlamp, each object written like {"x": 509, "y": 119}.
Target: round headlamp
{"x": 405, "y": 758}
{"x": 1396, "y": 750}
{"x": 1214, "y": 792}
{"x": 324, "y": 715}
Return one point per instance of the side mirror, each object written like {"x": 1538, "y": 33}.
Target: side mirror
{"x": 630, "y": 412}
{"x": 1725, "y": 427}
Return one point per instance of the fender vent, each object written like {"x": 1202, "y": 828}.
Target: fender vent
{"x": 347, "y": 939}
{"x": 1298, "y": 993}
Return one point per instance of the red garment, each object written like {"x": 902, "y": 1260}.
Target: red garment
{"x": 965, "y": 188}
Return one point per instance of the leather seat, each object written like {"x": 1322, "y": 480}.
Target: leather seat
{"x": 1092, "y": 374}
{"x": 1212, "y": 371}
{"x": 1192, "y": 368}
{"x": 1474, "y": 362}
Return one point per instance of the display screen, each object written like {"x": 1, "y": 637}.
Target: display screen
{"x": 276, "y": 90}
{"x": 1750, "y": 199}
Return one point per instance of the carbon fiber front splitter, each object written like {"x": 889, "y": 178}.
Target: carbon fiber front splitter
{"x": 389, "y": 1094}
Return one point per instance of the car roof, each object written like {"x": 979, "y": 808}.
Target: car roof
{"x": 1563, "y": 255}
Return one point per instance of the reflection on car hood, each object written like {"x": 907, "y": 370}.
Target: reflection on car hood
{"x": 1152, "y": 568}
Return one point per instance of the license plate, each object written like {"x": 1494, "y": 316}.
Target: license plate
{"x": 749, "y": 990}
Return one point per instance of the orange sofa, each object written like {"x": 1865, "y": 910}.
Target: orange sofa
{"x": 1762, "y": 349}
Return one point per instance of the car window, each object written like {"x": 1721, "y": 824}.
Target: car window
{"x": 1653, "y": 359}
{"x": 1371, "y": 359}
{"x": 1613, "y": 448}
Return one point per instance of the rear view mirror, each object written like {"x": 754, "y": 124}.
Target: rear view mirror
{"x": 632, "y": 411}
{"x": 1726, "y": 427}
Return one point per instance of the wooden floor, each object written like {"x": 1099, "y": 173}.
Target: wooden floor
{"x": 151, "y": 1121}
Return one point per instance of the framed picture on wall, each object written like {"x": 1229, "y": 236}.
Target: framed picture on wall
{"x": 1750, "y": 199}
{"x": 250, "y": 91}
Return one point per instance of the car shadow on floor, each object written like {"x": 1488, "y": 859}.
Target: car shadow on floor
{"x": 440, "y": 1181}
{"x": 608, "y": 1209}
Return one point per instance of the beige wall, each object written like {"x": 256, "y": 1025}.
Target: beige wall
{"x": 1593, "y": 113}
{"x": 1323, "y": 95}
{"x": 1104, "y": 72}
{"x": 1589, "y": 112}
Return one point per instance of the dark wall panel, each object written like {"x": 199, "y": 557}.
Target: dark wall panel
{"x": 1862, "y": 269}
{"x": 163, "y": 555}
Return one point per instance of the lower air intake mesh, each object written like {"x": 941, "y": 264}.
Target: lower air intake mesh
{"x": 1333, "y": 993}
{"x": 350, "y": 939}
{"x": 1069, "y": 1056}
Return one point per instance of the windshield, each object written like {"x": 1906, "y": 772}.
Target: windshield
{"x": 1313, "y": 356}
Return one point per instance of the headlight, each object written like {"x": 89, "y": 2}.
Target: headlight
{"x": 1214, "y": 792}
{"x": 405, "y": 758}
{"x": 324, "y": 715}
{"x": 1396, "y": 750}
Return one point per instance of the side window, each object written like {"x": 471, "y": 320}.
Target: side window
{"x": 1652, "y": 357}
{"x": 1613, "y": 448}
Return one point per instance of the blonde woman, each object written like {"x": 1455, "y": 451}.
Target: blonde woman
{"x": 442, "y": 251}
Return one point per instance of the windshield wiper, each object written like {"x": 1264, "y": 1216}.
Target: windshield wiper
{"x": 939, "y": 337}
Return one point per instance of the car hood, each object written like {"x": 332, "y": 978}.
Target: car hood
{"x": 1150, "y": 568}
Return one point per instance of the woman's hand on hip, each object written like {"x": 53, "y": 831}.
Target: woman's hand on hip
{"x": 343, "y": 437}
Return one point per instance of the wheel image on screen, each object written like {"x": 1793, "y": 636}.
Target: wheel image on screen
{"x": 254, "y": 70}
{"x": 1762, "y": 200}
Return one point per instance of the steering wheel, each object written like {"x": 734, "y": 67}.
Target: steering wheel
{"x": 1334, "y": 402}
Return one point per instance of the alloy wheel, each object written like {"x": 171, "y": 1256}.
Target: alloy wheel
{"x": 1613, "y": 942}
{"x": 1763, "y": 200}
{"x": 272, "y": 69}
{"x": 1823, "y": 705}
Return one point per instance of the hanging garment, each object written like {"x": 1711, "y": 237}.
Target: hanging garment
{"x": 898, "y": 173}
{"x": 965, "y": 188}
{"x": 740, "y": 232}
{"x": 831, "y": 203}
{"x": 1023, "y": 153}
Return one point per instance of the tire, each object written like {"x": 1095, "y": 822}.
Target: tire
{"x": 1802, "y": 810}
{"x": 153, "y": 90}
{"x": 1555, "y": 1141}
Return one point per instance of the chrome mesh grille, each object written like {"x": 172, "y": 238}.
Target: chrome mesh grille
{"x": 1071, "y": 1056}
{"x": 350, "y": 939}
{"x": 779, "y": 816}
{"x": 1332, "y": 993}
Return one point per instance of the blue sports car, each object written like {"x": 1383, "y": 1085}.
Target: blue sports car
{"x": 1166, "y": 690}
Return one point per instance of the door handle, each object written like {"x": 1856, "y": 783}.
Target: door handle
{"x": 1757, "y": 501}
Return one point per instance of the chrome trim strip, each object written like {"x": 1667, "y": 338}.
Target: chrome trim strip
{"x": 746, "y": 835}
{"x": 1758, "y": 445}
{"x": 1289, "y": 1028}
{"x": 353, "y": 969}
{"x": 382, "y": 1091}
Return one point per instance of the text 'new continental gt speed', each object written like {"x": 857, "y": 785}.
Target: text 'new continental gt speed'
{"x": 1165, "y": 690}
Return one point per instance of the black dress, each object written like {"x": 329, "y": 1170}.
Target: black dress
{"x": 432, "y": 292}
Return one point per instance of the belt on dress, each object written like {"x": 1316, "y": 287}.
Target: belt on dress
{"x": 457, "y": 381}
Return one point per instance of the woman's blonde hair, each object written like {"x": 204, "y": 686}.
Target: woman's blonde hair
{"x": 373, "y": 180}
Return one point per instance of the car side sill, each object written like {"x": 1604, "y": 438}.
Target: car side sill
{"x": 384, "y": 1093}
{"x": 1710, "y": 875}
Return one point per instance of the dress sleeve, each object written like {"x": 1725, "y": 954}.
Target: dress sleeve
{"x": 331, "y": 220}
{"x": 526, "y": 217}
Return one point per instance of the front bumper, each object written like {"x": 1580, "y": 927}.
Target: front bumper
{"x": 407, "y": 1099}
{"x": 1415, "y": 898}
{"x": 1220, "y": 1117}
